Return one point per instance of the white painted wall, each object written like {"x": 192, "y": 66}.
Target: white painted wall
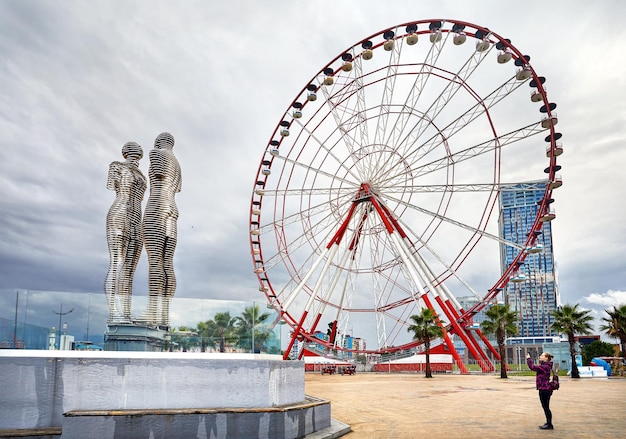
{"x": 39, "y": 386}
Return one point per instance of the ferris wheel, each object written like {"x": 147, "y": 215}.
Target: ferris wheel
{"x": 377, "y": 192}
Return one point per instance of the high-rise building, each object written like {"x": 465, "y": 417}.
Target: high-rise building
{"x": 533, "y": 291}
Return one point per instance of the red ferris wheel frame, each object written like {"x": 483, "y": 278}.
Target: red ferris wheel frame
{"x": 457, "y": 317}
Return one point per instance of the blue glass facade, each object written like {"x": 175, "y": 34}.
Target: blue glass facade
{"x": 533, "y": 290}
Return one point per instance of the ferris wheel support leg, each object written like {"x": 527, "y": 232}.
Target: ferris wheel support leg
{"x": 485, "y": 363}
{"x": 448, "y": 341}
{"x": 493, "y": 350}
{"x": 441, "y": 288}
{"x": 347, "y": 253}
{"x": 416, "y": 263}
{"x": 317, "y": 319}
{"x": 316, "y": 290}
{"x": 469, "y": 342}
{"x": 296, "y": 332}
{"x": 302, "y": 283}
{"x": 416, "y": 272}
{"x": 455, "y": 354}
{"x": 318, "y": 285}
{"x": 331, "y": 248}
{"x": 449, "y": 310}
{"x": 332, "y": 286}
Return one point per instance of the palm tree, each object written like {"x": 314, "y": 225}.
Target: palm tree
{"x": 570, "y": 320}
{"x": 500, "y": 321}
{"x": 250, "y": 328}
{"x": 425, "y": 327}
{"x": 202, "y": 328}
{"x": 183, "y": 336}
{"x": 221, "y": 327}
{"x": 616, "y": 325}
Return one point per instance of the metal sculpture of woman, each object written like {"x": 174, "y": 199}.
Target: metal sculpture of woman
{"x": 124, "y": 231}
{"x": 159, "y": 224}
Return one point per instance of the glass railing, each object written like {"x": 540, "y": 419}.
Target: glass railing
{"x": 31, "y": 319}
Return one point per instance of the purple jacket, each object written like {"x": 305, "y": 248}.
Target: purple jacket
{"x": 543, "y": 370}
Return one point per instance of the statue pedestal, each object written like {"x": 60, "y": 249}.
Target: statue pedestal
{"x": 164, "y": 394}
{"x": 138, "y": 337}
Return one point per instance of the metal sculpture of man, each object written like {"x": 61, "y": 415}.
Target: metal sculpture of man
{"x": 124, "y": 231}
{"x": 159, "y": 224}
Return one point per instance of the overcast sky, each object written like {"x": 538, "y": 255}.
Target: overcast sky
{"x": 81, "y": 78}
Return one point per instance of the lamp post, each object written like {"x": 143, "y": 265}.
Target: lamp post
{"x": 61, "y": 314}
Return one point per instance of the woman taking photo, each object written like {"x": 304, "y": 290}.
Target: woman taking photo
{"x": 542, "y": 380}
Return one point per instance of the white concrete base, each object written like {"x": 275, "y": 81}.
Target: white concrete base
{"x": 38, "y": 387}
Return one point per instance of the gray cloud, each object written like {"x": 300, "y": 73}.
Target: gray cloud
{"x": 81, "y": 79}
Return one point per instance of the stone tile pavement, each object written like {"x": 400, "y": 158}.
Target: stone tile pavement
{"x": 470, "y": 406}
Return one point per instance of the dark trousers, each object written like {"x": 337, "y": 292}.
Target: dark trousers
{"x": 544, "y": 397}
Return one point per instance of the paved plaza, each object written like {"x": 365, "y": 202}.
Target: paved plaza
{"x": 470, "y": 406}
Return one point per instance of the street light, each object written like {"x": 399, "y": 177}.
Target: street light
{"x": 61, "y": 314}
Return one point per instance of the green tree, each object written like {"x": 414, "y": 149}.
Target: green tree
{"x": 184, "y": 337}
{"x": 221, "y": 328}
{"x": 570, "y": 320}
{"x": 500, "y": 321}
{"x": 615, "y": 325}
{"x": 425, "y": 327}
{"x": 251, "y": 328}
{"x": 202, "y": 328}
{"x": 597, "y": 348}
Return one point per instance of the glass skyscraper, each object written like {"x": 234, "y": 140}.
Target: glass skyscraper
{"x": 533, "y": 291}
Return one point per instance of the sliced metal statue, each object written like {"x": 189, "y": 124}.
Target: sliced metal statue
{"x": 160, "y": 232}
{"x": 124, "y": 231}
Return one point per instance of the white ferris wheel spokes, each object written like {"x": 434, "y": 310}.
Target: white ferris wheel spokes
{"x": 377, "y": 193}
